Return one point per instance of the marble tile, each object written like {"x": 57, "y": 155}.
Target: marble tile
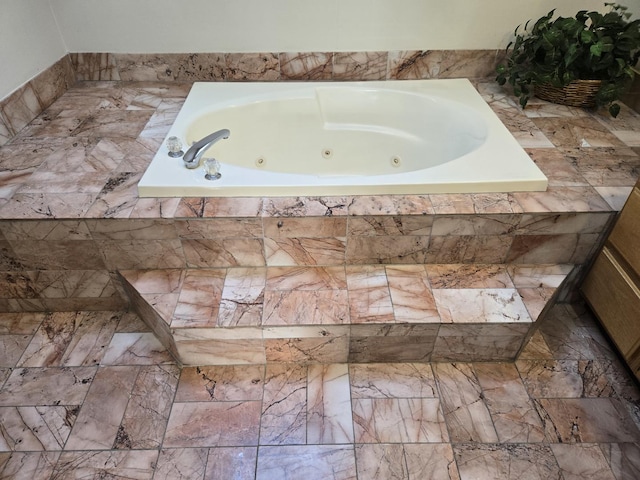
{"x": 523, "y": 129}
{"x": 310, "y": 227}
{"x": 306, "y": 66}
{"x": 434, "y": 461}
{"x": 226, "y": 462}
{"x": 28, "y": 465}
{"x": 137, "y": 464}
{"x": 304, "y": 251}
{"x": 412, "y": 65}
{"x": 227, "y": 252}
{"x": 96, "y": 427}
{"x": 605, "y": 166}
{"x": 313, "y": 462}
{"x": 390, "y": 225}
{"x": 212, "y": 424}
{"x": 514, "y": 416}
{"x": 480, "y": 305}
{"x": 20, "y": 323}
{"x": 305, "y": 206}
{"x": 47, "y": 205}
{"x": 391, "y": 205}
{"x": 506, "y": 461}
{"x": 556, "y": 167}
{"x": 36, "y": 428}
{"x": 284, "y": 405}
{"x": 614, "y": 196}
{"x": 175, "y": 67}
{"x": 546, "y": 224}
{"x": 118, "y": 197}
{"x": 94, "y": 66}
{"x": 307, "y": 345}
{"x": 394, "y": 420}
{"x": 142, "y": 254}
{"x": 138, "y": 348}
{"x": 565, "y": 378}
{"x": 578, "y": 420}
{"x": 359, "y": 66}
{"x": 220, "y": 383}
{"x": 155, "y": 208}
{"x": 584, "y": 461}
{"x": 467, "y": 416}
{"x": 623, "y": 459}
{"x": 381, "y": 461}
{"x": 411, "y": 294}
{"x": 468, "y": 249}
{"x": 252, "y": 66}
{"x": 531, "y": 276}
{"x": 199, "y": 300}
{"x": 444, "y": 225}
{"x": 11, "y": 349}
{"x": 220, "y": 346}
{"x": 329, "y": 418}
{"x": 219, "y": 207}
{"x": 393, "y": 380}
{"x": 219, "y": 228}
{"x": 576, "y": 132}
{"x": 414, "y": 348}
{"x": 369, "y": 297}
{"x": 306, "y": 278}
{"x": 242, "y": 297}
{"x": 454, "y": 276}
{"x": 387, "y": 249}
{"x": 322, "y": 307}
{"x": 145, "y": 418}
{"x": 181, "y": 463}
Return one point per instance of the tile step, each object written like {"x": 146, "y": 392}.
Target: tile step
{"x": 333, "y": 314}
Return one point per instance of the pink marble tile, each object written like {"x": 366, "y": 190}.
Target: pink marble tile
{"x": 312, "y": 462}
{"x": 369, "y": 298}
{"x": 306, "y": 66}
{"x": 199, "y": 300}
{"x": 221, "y": 383}
{"x": 411, "y": 294}
{"x": 323, "y": 307}
{"x": 329, "y": 418}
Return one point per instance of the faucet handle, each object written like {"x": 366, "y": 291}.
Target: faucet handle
{"x": 211, "y": 168}
{"x": 174, "y": 145}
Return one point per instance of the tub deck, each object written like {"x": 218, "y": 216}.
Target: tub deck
{"x": 72, "y": 222}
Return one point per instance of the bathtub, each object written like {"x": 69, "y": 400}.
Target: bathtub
{"x": 338, "y": 138}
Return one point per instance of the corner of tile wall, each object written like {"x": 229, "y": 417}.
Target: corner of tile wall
{"x": 27, "y": 102}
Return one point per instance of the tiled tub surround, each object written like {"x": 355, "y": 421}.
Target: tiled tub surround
{"x": 71, "y": 217}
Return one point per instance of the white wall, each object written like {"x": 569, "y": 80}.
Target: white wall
{"x": 180, "y": 26}
{"x": 29, "y": 42}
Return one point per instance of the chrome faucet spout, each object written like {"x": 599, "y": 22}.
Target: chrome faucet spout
{"x": 194, "y": 154}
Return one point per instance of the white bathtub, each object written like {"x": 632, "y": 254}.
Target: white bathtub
{"x": 356, "y": 138}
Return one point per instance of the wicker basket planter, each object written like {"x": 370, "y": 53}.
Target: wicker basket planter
{"x": 579, "y": 93}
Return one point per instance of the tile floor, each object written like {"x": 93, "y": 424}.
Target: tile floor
{"x": 94, "y": 395}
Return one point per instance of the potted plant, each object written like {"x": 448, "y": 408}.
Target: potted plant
{"x": 586, "y": 60}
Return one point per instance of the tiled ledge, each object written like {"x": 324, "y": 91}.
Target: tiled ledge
{"x": 365, "y": 313}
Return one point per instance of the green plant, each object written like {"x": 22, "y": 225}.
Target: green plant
{"x": 589, "y": 46}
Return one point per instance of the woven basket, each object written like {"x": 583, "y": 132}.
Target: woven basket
{"x": 579, "y": 93}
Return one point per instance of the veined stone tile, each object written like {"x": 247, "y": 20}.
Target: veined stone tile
{"x": 51, "y": 340}
{"x": 182, "y": 463}
{"x": 390, "y": 225}
{"x": 28, "y": 465}
{"x": 11, "y": 349}
{"x": 304, "y": 251}
{"x": 376, "y": 205}
{"x": 96, "y": 427}
{"x": 226, "y": 252}
{"x": 329, "y": 418}
{"x": 141, "y": 348}
{"x": 431, "y": 460}
{"x": 213, "y": 424}
{"x": 392, "y": 380}
{"x": 547, "y": 224}
{"x": 468, "y": 249}
{"x": 485, "y": 348}
{"x": 306, "y": 278}
{"x": 284, "y": 405}
{"x": 35, "y": 428}
{"x": 199, "y": 299}
{"x": 309, "y": 227}
{"x": 219, "y": 207}
{"x": 576, "y": 132}
{"x": 47, "y": 205}
{"x": 118, "y": 197}
{"x": 444, "y": 225}
{"x": 562, "y": 199}
{"x": 47, "y": 386}
{"x": 381, "y": 461}
{"x": 509, "y": 462}
{"x": 482, "y": 305}
{"x": 395, "y": 420}
{"x": 514, "y": 416}
{"x": 220, "y": 346}
{"x": 155, "y": 208}
{"x": 242, "y": 297}
{"x": 532, "y": 276}
{"x": 321, "y": 307}
{"x": 294, "y": 345}
{"x": 20, "y": 323}
{"x": 564, "y": 248}
{"x": 369, "y": 298}
{"x": 219, "y": 228}
{"x": 465, "y": 412}
{"x": 614, "y": 196}
{"x": 227, "y": 462}
{"x": 453, "y": 276}
{"x": 142, "y": 254}
{"x": 623, "y": 458}
{"x": 145, "y": 418}
{"x": 558, "y": 170}
{"x": 221, "y": 383}
{"x": 306, "y": 65}
{"x": 305, "y": 206}
{"x": 46, "y": 230}
{"x": 605, "y": 166}
{"x": 411, "y": 294}
{"x": 489, "y": 203}
{"x": 394, "y": 348}
{"x": 312, "y": 462}
{"x": 387, "y": 250}
{"x": 125, "y": 229}
{"x": 252, "y": 66}
{"x": 359, "y": 66}
{"x": 138, "y": 464}
{"x": 536, "y": 299}
{"x": 565, "y": 378}
{"x": 582, "y": 462}
{"x": 155, "y": 281}
{"x": 577, "y": 420}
